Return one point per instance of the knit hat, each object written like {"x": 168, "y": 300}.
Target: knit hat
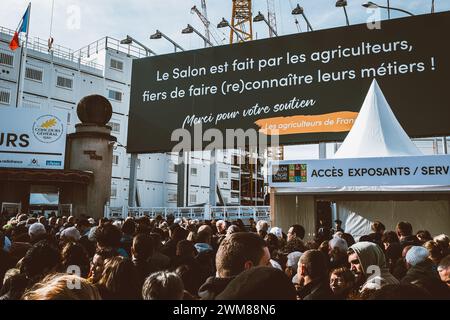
{"x": 293, "y": 259}
{"x": 36, "y": 229}
{"x": 277, "y": 231}
{"x": 259, "y": 283}
{"x": 71, "y": 233}
{"x": 339, "y": 243}
{"x": 416, "y": 255}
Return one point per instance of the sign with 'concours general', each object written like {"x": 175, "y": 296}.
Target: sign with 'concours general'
{"x": 32, "y": 139}
{"x": 388, "y": 171}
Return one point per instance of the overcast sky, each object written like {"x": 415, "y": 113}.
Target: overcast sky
{"x": 80, "y": 22}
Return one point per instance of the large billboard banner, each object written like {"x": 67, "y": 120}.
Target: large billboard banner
{"x": 306, "y": 87}
{"x": 32, "y": 139}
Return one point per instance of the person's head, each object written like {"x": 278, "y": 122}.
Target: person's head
{"x": 434, "y": 251}
{"x": 312, "y": 265}
{"x": 415, "y": 256}
{"x": 221, "y": 226}
{"x": 119, "y": 279}
{"x": 52, "y": 221}
{"x": 108, "y": 236}
{"x": 296, "y": 231}
{"x": 40, "y": 260}
{"x": 59, "y": 222}
{"x": 423, "y": 236}
{"x": 389, "y": 238}
{"x": 233, "y": 229}
{"x": 70, "y": 234}
{"x": 444, "y": 270}
{"x": 129, "y": 227}
{"x": 74, "y": 254}
{"x": 292, "y": 264}
{"x": 277, "y": 231}
{"x": 62, "y": 287}
{"x": 203, "y": 236}
{"x": 444, "y": 242}
{"x": 42, "y": 220}
{"x": 71, "y": 220}
{"x": 241, "y": 251}
{"x": 338, "y": 224}
{"x": 262, "y": 225}
{"x": 142, "y": 247}
{"x": 378, "y": 227}
{"x": 404, "y": 229}
{"x": 186, "y": 248}
{"x": 163, "y": 285}
{"x": 342, "y": 281}
{"x": 361, "y": 256}
{"x": 37, "y": 232}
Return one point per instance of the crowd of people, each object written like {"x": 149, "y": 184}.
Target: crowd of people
{"x": 68, "y": 258}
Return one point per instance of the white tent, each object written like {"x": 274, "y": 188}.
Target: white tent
{"x": 376, "y": 133}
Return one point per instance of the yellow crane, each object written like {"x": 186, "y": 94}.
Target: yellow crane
{"x": 241, "y": 21}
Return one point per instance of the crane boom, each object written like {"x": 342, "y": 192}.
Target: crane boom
{"x": 242, "y": 21}
{"x": 206, "y": 23}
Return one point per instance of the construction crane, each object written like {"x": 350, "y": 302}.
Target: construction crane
{"x": 204, "y": 19}
{"x": 271, "y": 17}
{"x": 241, "y": 21}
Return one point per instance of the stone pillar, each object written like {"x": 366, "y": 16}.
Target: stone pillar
{"x": 90, "y": 148}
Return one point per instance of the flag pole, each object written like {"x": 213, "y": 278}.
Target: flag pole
{"x": 23, "y": 62}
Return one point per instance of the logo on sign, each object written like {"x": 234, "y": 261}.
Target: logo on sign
{"x": 53, "y": 163}
{"x": 34, "y": 162}
{"x": 48, "y": 129}
{"x": 298, "y": 173}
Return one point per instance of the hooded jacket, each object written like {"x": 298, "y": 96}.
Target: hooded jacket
{"x": 213, "y": 287}
{"x": 370, "y": 257}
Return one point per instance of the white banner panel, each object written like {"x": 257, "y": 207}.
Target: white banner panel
{"x": 32, "y": 139}
{"x": 389, "y": 171}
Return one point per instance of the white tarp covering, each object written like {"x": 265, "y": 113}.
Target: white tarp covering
{"x": 357, "y": 216}
{"x": 376, "y": 132}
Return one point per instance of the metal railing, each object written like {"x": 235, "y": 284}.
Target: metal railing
{"x": 204, "y": 213}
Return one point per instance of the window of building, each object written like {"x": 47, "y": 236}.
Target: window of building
{"x": 116, "y": 64}
{"x": 172, "y": 197}
{"x": 115, "y": 160}
{"x": 31, "y": 104}
{"x": 172, "y": 167}
{"x": 223, "y": 175}
{"x": 115, "y": 127}
{"x": 6, "y": 59}
{"x": 33, "y": 74}
{"x": 194, "y": 171}
{"x": 5, "y": 96}
{"x": 138, "y": 163}
{"x": 114, "y": 95}
{"x": 113, "y": 191}
{"x": 64, "y": 82}
{"x": 193, "y": 198}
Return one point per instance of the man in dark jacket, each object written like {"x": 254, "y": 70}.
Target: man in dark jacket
{"x": 422, "y": 273}
{"x": 312, "y": 270}
{"x": 238, "y": 252}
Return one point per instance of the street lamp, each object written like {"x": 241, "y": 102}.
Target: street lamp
{"x": 191, "y": 29}
{"x": 370, "y": 4}
{"x": 224, "y": 23}
{"x": 261, "y": 17}
{"x": 158, "y": 35}
{"x": 129, "y": 40}
{"x": 343, "y": 4}
{"x": 299, "y": 10}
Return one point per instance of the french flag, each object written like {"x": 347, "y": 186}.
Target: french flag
{"x": 15, "y": 43}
